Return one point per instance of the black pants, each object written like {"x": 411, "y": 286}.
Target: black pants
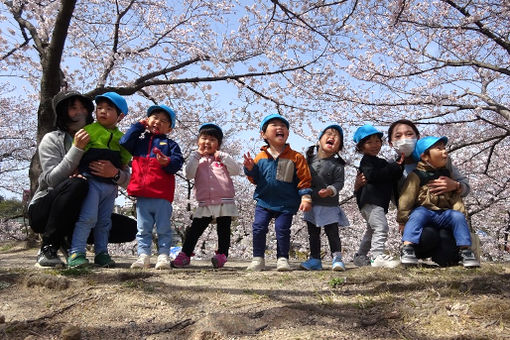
{"x": 55, "y": 215}
{"x": 198, "y": 227}
{"x": 314, "y": 236}
{"x": 439, "y": 245}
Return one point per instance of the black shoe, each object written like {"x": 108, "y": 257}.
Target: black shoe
{"x": 407, "y": 255}
{"x": 65, "y": 245}
{"x": 468, "y": 259}
{"x": 48, "y": 257}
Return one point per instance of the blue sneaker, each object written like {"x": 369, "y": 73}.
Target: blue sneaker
{"x": 311, "y": 264}
{"x": 338, "y": 264}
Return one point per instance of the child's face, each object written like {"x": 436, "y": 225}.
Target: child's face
{"x": 330, "y": 141}
{"x": 437, "y": 155}
{"x": 77, "y": 111}
{"x": 207, "y": 145}
{"x": 106, "y": 114}
{"x": 276, "y": 133}
{"x": 159, "y": 123}
{"x": 372, "y": 146}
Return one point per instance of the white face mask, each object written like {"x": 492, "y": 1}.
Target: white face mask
{"x": 404, "y": 146}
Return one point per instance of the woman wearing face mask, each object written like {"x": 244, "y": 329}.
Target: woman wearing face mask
{"x": 57, "y": 201}
{"x": 437, "y": 244}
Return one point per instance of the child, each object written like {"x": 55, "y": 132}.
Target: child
{"x": 98, "y": 205}
{"x": 373, "y": 198}
{"x": 327, "y": 169}
{"x": 156, "y": 158}
{"x": 283, "y": 184}
{"x": 445, "y": 210}
{"x": 212, "y": 170}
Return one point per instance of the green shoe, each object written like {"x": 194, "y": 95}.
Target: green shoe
{"x": 77, "y": 260}
{"x": 104, "y": 260}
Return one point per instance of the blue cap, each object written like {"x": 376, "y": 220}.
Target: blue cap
{"x": 116, "y": 99}
{"x": 164, "y": 108}
{"x": 365, "y": 131}
{"x": 423, "y": 144}
{"x": 274, "y": 116}
{"x": 332, "y": 126}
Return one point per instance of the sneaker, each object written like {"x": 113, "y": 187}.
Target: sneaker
{"x": 468, "y": 258}
{"x": 218, "y": 260}
{"x": 47, "y": 257}
{"x": 361, "y": 260}
{"x": 104, "y": 260}
{"x": 282, "y": 265}
{"x": 77, "y": 260}
{"x": 337, "y": 264}
{"x": 163, "y": 262}
{"x": 181, "y": 261}
{"x": 311, "y": 264}
{"x": 407, "y": 255}
{"x": 257, "y": 264}
{"x": 143, "y": 261}
{"x": 385, "y": 261}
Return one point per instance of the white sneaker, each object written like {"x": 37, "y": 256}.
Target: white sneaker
{"x": 384, "y": 260}
{"x": 282, "y": 265}
{"x": 143, "y": 261}
{"x": 163, "y": 262}
{"x": 257, "y": 264}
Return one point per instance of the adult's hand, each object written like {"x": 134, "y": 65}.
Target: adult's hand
{"x": 103, "y": 168}
{"x": 81, "y": 139}
{"x": 443, "y": 184}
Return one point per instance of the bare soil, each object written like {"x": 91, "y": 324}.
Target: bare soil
{"x": 203, "y": 303}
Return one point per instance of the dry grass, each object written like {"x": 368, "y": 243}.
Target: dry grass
{"x": 202, "y": 303}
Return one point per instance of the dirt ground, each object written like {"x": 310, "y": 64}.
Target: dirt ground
{"x": 203, "y": 303}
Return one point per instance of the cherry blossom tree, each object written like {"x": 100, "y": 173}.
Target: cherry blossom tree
{"x": 443, "y": 64}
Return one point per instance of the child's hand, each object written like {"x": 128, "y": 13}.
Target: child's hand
{"x": 217, "y": 156}
{"x": 81, "y": 139}
{"x": 401, "y": 159}
{"x": 248, "y": 162}
{"x": 162, "y": 159}
{"x": 442, "y": 184}
{"x": 305, "y": 205}
{"x": 360, "y": 181}
{"x": 325, "y": 192}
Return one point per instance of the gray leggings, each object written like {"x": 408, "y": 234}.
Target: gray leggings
{"x": 376, "y": 233}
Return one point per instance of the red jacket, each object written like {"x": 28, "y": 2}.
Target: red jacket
{"x": 149, "y": 178}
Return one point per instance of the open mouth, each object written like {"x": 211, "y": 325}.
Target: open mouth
{"x": 330, "y": 142}
{"x": 279, "y": 134}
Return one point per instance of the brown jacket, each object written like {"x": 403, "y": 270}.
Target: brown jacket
{"x": 413, "y": 194}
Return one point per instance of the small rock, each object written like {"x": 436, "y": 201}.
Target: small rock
{"x": 71, "y": 333}
{"x": 2, "y": 318}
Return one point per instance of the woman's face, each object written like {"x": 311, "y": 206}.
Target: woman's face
{"x": 402, "y": 131}
{"x": 77, "y": 111}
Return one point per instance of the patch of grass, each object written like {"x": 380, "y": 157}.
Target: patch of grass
{"x": 6, "y": 247}
{"x": 4, "y": 285}
{"x": 76, "y": 271}
{"x": 141, "y": 285}
{"x": 337, "y": 282}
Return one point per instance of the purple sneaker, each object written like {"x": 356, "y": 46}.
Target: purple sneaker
{"x": 218, "y": 260}
{"x": 181, "y": 261}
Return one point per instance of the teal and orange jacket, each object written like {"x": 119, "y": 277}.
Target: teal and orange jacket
{"x": 103, "y": 145}
{"x": 280, "y": 182}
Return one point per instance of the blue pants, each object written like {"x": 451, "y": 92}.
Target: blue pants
{"x": 95, "y": 213}
{"x": 150, "y": 212}
{"x": 441, "y": 219}
{"x": 282, "y": 224}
